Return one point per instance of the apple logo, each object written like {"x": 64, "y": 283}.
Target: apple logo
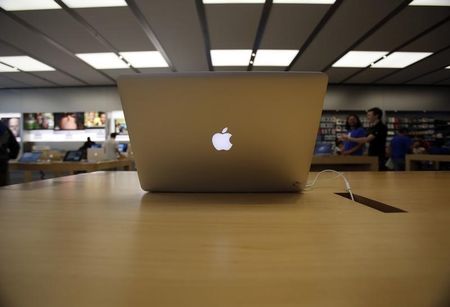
{"x": 221, "y": 141}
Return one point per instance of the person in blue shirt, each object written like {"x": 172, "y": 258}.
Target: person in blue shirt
{"x": 401, "y": 144}
{"x": 355, "y": 130}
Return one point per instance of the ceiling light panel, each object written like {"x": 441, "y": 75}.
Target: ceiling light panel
{"x": 231, "y": 1}
{"x": 6, "y": 68}
{"x": 94, "y": 3}
{"x": 359, "y": 58}
{"x": 269, "y": 57}
{"x": 25, "y": 63}
{"x": 401, "y": 59}
{"x": 431, "y": 2}
{"x": 142, "y": 59}
{"x": 448, "y": 67}
{"x": 103, "y": 60}
{"x": 26, "y": 5}
{"x": 236, "y": 57}
{"x": 304, "y": 1}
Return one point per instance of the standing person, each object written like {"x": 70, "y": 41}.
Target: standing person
{"x": 401, "y": 144}
{"x": 9, "y": 149}
{"x": 376, "y": 137}
{"x": 88, "y": 144}
{"x": 111, "y": 148}
{"x": 355, "y": 130}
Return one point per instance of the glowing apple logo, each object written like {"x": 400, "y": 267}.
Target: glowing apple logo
{"x": 221, "y": 141}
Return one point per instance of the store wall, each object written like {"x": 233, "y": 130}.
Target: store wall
{"x": 393, "y": 98}
{"x": 60, "y": 100}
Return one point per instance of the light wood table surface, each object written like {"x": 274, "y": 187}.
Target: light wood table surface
{"x": 411, "y": 160}
{"x": 97, "y": 240}
{"x": 60, "y": 168}
{"x": 367, "y": 163}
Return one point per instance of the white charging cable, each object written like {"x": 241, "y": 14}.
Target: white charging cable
{"x": 338, "y": 174}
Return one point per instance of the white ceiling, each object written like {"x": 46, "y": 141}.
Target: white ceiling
{"x": 323, "y": 32}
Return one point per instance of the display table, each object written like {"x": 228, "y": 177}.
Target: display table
{"x": 60, "y": 168}
{"x": 411, "y": 160}
{"x": 97, "y": 239}
{"x": 367, "y": 163}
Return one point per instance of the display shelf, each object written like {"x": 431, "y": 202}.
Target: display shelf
{"x": 428, "y": 126}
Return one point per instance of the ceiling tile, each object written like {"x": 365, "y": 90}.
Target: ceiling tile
{"x": 119, "y": 26}
{"x": 233, "y": 26}
{"x": 289, "y": 25}
{"x": 407, "y": 24}
{"x": 350, "y": 22}
{"x": 64, "y": 29}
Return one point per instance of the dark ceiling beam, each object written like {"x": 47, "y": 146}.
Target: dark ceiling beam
{"x": 55, "y": 44}
{"x": 260, "y": 32}
{"x": 375, "y": 28}
{"x": 333, "y": 8}
{"x": 421, "y": 34}
{"x": 399, "y": 70}
{"x": 142, "y": 21}
{"x": 204, "y": 27}
{"x": 93, "y": 32}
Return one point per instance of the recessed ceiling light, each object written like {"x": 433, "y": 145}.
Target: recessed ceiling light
{"x": 448, "y": 67}
{"x": 359, "y": 58}
{"x": 26, "y": 5}
{"x": 6, "y": 68}
{"x": 25, "y": 63}
{"x": 401, "y": 59}
{"x": 104, "y": 60}
{"x": 145, "y": 59}
{"x": 94, "y": 3}
{"x": 431, "y": 2}
{"x": 268, "y": 57}
{"x": 231, "y": 1}
{"x": 230, "y": 57}
{"x": 304, "y": 1}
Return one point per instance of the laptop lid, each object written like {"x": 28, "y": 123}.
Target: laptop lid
{"x": 73, "y": 156}
{"x": 223, "y": 132}
{"x": 30, "y": 157}
{"x": 95, "y": 154}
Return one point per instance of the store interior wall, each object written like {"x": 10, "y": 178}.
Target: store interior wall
{"x": 393, "y": 98}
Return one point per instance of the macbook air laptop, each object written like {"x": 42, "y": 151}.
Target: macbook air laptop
{"x": 223, "y": 132}
{"x": 95, "y": 154}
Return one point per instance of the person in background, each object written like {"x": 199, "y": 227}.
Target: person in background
{"x": 9, "y": 149}
{"x": 14, "y": 126}
{"x": 401, "y": 144}
{"x": 86, "y": 145}
{"x": 111, "y": 149}
{"x": 338, "y": 146}
{"x": 101, "y": 119}
{"x": 376, "y": 137}
{"x": 354, "y": 129}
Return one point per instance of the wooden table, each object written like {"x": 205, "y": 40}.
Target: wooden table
{"x": 411, "y": 160}
{"x": 97, "y": 240}
{"x": 352, "y": 163}
{"x": 60, "y": 168}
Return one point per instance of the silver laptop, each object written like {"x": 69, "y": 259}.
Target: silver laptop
{"x": 223, "y": 132}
